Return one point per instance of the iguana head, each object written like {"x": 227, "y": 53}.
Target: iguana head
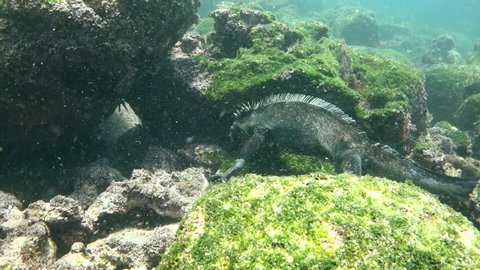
{"x": 240, "y": 131}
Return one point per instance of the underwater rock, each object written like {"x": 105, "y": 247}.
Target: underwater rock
{"x": 182, "y": 58}
{"x": 428, "y": 154}
{"x": 439, "y": 137}
{"x": 472, "y": 89}
{"x": 169, "y": 195}
{"x": 8, "y": 201}
{"x": 445, "y": 86}
{"x": 233, "y": 29}
{"x": 63, "y": 216}
{"x": 59, "y": 211}
{"x": 468, "y": 113}
{"x": 204, "y": 155}
{"x": 469, "y": 167}
{"x": 321, "y": 221}
{"x": 160, "y": 158}
{"x": 67, "y": 64}
{"x": 92, "y": 180}
{"x": 35, "y": 237}
{"x": 447, "y": 150}
{"x": 442, "y": 51}
{"x": 11, "y": 215}
{"x": 131, "y": 248}
{"x": 357, "y": 26}
{"x": 30, "y": 247}
{"x": 75, "y": 259}
{"x": 461, "y": 141}
{"x": 474, "y": 205}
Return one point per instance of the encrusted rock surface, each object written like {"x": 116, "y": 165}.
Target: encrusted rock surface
{"x": 11, "y": 216}
{"x": 28, "y": 247}
{"x": 131, "y": 248}
{"x": 166, "y": 194}
{"x": 92, "y": 180}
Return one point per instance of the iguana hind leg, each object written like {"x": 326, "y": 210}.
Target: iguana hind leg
{"x": 350, "y": 161}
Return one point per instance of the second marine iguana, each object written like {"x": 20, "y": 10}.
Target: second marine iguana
{"x": 306, "y": 123}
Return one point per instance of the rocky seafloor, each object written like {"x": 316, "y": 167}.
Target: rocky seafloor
{"x": 108, "y": 137}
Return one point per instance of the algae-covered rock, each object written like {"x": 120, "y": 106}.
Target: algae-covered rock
{"x": 445, "y": 87}
{"x": 356, "y": 25}
{"x": 322, "y": 222}
{"x": 460, "y": 139}
{"x": 393, "y": 98}
{"x": 442, "y": 51}
{"x": 468, "y": 113}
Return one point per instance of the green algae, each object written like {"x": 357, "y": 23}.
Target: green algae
{"x": 256, "y": 68}
{"x": 320, "y": 221}
{"x": 296, "y": 164}
{"x": 381, "y": 72}
{"x": 274, "y": 161}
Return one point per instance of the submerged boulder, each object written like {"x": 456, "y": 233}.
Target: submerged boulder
{"x": 131, "y": 248}
{"x": 442, "y": 51}
{"x": 321, "y": 221}
{"x": 446, "y": 88}
{"x": 160, "y": 195}
{"x": 356, "y": 25}
{"x": 468, "y": 113}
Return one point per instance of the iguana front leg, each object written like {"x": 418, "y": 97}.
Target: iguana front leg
{"x": 250, "y": 147}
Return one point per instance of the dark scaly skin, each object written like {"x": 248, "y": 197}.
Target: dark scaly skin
{"x": 303, "y": 127}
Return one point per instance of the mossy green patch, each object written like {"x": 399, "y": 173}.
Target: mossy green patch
{"x": 295, "y": 164}
{"x": 270, "y": 161}
{"x": 424, "y": 145}
{"x": 392, "y": 83}
{"x": 320, "y": 221}
{"x": 259, "y": 71}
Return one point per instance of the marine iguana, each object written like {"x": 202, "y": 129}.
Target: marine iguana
{"x": 307, "y": 123}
